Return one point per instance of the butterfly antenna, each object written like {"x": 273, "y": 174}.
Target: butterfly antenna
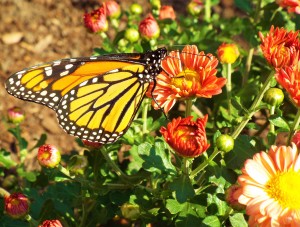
{"x": 152, "y": 90}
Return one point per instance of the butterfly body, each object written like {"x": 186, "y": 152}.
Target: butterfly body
{"x": 94, "y": 98}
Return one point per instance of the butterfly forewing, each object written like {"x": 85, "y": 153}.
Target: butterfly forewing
{"x": 95, "y": 98}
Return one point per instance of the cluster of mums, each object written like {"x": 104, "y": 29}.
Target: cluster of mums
{"x": 268, "y": 187}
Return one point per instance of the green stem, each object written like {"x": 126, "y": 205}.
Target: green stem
{"x": 228, "y": 88}
{"x": 125, "y": 178}
{"x": 195, "y": 172}
{"x": 294, "y": 126}
{"x": 3, "y": 193}
{"x": 272, "y": 112}
{"x": 145, "y": 115}
{"x": 84, "y": 214}
{"x": 32, "y": 222}
{"x": 186, "y": 166}
{"x": 188, "y": 107}
{"x": 207, "y": 10}
{"x": 253, "y": 107}
{"x": 248, "y": 66}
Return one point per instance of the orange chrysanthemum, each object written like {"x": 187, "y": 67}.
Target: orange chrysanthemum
{"x": 289, "y": 78}
{"x": 270, "y": 186}
{"x": 186, "y": 75}
{"x": 186, "y": 137}
{"x": 279, "y": 45}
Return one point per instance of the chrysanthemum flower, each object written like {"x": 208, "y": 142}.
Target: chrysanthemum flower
{"x": 293, "y": 6}
{"x": 195, "y": 7}
{"x": 149, "y": 28}
{"x": 186, "y": 75}
{"x": 96, "y": 20}
{"x": 51, "y": 223}
{"x": 228, "y": 53}
{"x": 289, "y": 78}
{"x": 167, "y": 12}
{"x": 279, "y": 45}
{"x": 186, "y": 137}
{"x": 48, "y": 156}
{"x": 113, "y": 9}
{"x": 16, "y": 205}
{"x": 270, "y": 187}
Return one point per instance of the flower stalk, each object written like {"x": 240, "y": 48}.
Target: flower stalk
{"x": 201, "y": 167}
{"x": 294, "y": 126}
{"x": 253, "y": 107}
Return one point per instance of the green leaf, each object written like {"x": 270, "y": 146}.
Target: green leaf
{"x": 191, "y": 215}
{"x": 40, "y": 142}
{"x": 174, "y": 206}
{"x": 30, "y": 176}
{"x": 212, "y": 221}
{"x": 5, "y": 159}
{"x": 137, "y": 162}
{"x": 183, "y": 188}
{"x": 279, "y": 122}
{"x": 243, "y": 149}
{"x": 156, "y": 159}
{"x": 238, "y": 220}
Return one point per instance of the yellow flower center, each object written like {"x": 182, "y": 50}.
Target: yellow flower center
{"x": 284, "y": 188}
{"x": 186, "y": 76}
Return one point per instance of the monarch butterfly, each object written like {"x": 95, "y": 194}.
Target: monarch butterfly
{"x": 95, "y": 98}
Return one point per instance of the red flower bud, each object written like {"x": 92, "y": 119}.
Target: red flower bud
{"x": 96, "y": 20}
{"x": 113, "y": 9}
{"x": 51, "y": 223}
{"x": 48, "y": 156}
{"x": 16, "y": 205}
{"x": 186, "y": 137}
{"x": 149, "y": 28}
{"x": 167, "y": 12}
{"x": 15, "y": 115}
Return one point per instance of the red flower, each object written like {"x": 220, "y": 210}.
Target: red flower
{"x": 16, "y": 205}
{"x": 293, "y": 6}
{"x": 228, "y": 53}
{"x": 51, "y": 223}
{"x": 48, "y": 156}
{"x": 149, "y": 28}
{"x": 279, "y": 46}
{"x": 91, "y": 145}
{"x": 186, "y": 137}
{"x": 296, "y": 139}
{"x": 289, "y": 78}
{"x": 113, "y": 9}
{"x": 186, "y": 75}
{"x": 167, "y": 12}
{"x": 96, "y": 20}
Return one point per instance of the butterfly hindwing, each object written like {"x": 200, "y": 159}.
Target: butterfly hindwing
{"x": 102, "y": 108}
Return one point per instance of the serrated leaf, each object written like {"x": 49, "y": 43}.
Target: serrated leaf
{"x": 174, "y": 206}
{"x": 156, "y": 159}
{"x": 137, "y": 162}
{"x": 212, "y": 221}
{"x": 190, "y": 215}
{"x": 238, "y": 220}
{"x": 279, "y": 122}
{"x": 183, "y": 188}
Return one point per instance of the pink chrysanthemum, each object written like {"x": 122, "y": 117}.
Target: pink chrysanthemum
{"x": 270, "y": 186}
{"x": 186, "y": 75}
